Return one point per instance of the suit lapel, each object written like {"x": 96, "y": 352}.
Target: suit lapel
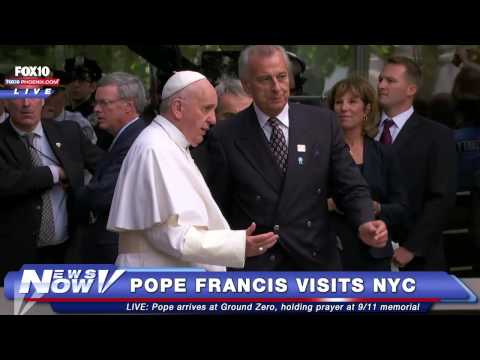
{"x": 57, "y": 144}
{"x": 17, "y": 147}
{"x": 297, "y": 161}
{"x": 102, "y": 164}
{"x": 254, "y": 146}
{"x": 119, "y": 144}
{"x": 368, "y": 160}
{"x": 126, "y": 134}
{"x": 111, "y": 154}
{"x": 407, "y": 133}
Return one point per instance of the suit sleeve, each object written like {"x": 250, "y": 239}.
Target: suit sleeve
{"x": 395, "y": 209}
{"x": 17, "y": 182}
{"x": 91, "y": 152}
{"x": 98, "y": 194}
{"x": 350, "y": 190}
{"x": 440, "y": 193}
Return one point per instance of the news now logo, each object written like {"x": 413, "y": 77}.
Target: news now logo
{"x": 30, "y": 82}
{"x": 36, "y": 284}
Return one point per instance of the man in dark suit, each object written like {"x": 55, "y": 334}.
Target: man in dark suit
{"x": 41, "y": 164}
{"x": 119, "y": 101}
{"x": 427, "y": 158}
{"x": 273, "y": 165}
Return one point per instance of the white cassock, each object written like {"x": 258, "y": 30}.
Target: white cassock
{"x": 164, "y": 211}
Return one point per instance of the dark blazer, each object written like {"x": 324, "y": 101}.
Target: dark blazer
{"x": 100, "y": 245}
{"x": 381, "y": 171}
{"x": 249, "y": 187}
{"x": 426, "y": 155}
{"x": 22, "y": 185}
{"x": 201, "y": 158}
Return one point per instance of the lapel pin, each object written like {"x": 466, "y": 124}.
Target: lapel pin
{"x": 59, "y": 145}
{"x": 300, "y": 160}
{"x": 301, "y": 148}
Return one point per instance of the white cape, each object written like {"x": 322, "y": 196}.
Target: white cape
{"x": 159, "y": 186}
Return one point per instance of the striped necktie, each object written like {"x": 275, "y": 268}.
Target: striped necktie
{"x": 278, "y": 145}
{"x": 47, "y": 224}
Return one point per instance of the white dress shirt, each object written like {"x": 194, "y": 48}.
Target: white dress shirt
{"x": 265, "y": 125}
{"x": 398, "y": 123}
{"x": 58, "y": 195}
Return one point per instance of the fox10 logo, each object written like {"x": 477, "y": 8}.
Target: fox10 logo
{"x": 29, "y": 82}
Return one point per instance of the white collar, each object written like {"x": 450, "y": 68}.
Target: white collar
{"x": 400, "y": 119}
{"x": 61, "y": 116}
{"x": 173, "y": 132}
{"x": 37, "y": 131}
{"x": 263, "y": 118}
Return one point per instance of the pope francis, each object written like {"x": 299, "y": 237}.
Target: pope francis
{"x": 162, "y": 208}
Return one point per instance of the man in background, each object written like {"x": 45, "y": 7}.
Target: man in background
{"x": 426, "y": 155}
{"x": 54, "y": 109}
{"x": 231, "y": 97}
{"x": 83, "y": 74}
{"x": 119, "y": 101}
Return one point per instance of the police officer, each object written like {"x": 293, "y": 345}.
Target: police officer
{"x": 54, "y": 108}
{"x": 83, "y": 75}
{"x": 297, "y": 68}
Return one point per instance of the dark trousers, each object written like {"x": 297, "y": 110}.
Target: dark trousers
{"x": 362, "y": 261}
{"x": 99, "y": 246}
{"x": 101, "y": 254}
{"x": 54, "y": 254}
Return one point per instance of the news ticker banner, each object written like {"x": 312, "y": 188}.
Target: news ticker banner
{"x": 109, "y": 289}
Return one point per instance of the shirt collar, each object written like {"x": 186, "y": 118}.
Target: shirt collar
{"x": 263, "y": 118}
{"x": 173, "y": 132}
{"x": 61, "y": 116}
{"x": 400, "y": 119}
{"x": 37, "y": 131}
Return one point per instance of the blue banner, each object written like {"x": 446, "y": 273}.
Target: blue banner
{"x": 12, "y": 94}
{"x": 108, "y": 289}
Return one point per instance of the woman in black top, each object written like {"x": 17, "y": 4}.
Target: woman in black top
{"x": 355, "y": 102}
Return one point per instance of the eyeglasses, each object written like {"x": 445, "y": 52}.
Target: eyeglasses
{"x": 105, "y": 103}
